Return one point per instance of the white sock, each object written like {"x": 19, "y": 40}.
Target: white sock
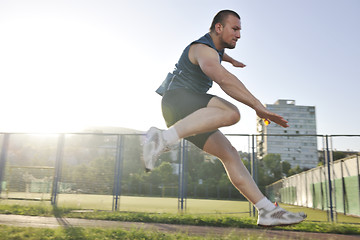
{"x": 265, "y": 204}
{"x": 170, "y": 136}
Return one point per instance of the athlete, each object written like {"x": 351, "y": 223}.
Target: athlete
{"x": 191, "y": 113}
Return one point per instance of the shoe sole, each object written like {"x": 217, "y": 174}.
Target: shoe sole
{"x": 280, "y": 225}
{"x": 143, "y": 152}
{"x": 146, "y": 168}
{"x": 144, "y": 163}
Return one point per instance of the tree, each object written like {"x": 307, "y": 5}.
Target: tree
{"x": 295, "y": 170}
{"x": 339, "y": 155}
{"x": 132, "y": 162}
{"x": 195, "y": 159}
{"x": 273, "y": 166}
{"x": 166, "y": 173}
{"x": 272, "y": 169}
{"x": 286, "y": 166}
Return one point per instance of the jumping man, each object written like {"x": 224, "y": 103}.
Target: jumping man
{"x": 193, "y": 114}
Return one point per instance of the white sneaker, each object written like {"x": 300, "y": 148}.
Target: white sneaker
{"x": 279, "y": 217}
{"x": 153, "y": 146}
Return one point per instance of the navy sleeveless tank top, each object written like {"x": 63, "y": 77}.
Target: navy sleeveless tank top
{"x": 188, "y": 75}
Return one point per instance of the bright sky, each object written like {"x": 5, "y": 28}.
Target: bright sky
{"x": 69, "y": 64}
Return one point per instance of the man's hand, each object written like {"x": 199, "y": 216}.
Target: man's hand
{"x": 236, "y": 63}
{"x": 272, "y": 117}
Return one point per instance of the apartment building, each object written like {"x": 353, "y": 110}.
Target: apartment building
{"x": 294, "y": 144}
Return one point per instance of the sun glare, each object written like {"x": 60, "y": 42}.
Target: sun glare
{"x": 43, "y": 127}
{"x": 51, "y": 74}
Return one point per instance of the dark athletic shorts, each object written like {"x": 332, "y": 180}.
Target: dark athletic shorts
{"x": 178, "y": 103}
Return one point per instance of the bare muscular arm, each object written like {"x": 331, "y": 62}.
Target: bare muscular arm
{"x": 208, "y": 60}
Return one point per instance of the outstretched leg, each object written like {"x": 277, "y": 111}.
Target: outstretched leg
{"x": 269, "y": 215}
{"x": 219, "y": 146}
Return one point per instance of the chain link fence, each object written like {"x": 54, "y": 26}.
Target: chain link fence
{"x": 92, "y": 170}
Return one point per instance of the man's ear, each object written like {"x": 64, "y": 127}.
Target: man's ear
{"x": 218, "y": 28}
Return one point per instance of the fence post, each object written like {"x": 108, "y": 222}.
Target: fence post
{"x": 253, "y": 167}
{"x": 344, "y": 196}
{"x": 306, "y": 190}
{"x": 4, "y": 150}
{"x": 333, "y": 182}
{"x": 329, "y": 177}
{"x": 180, "y": 193}
{"x": 182, "y": 175}
{"x": 250, "y": 170}
{"x": 358, "y": 177}
{"x": 117, "y": 174}
{"x": 58, "y": 164}
{"x": 180, "y": 170}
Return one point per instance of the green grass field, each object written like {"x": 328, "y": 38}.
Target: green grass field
{"x": 170, "y": 205}
{"x": 199, "y": 212}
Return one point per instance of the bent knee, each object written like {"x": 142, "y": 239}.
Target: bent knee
{"x": 232, "y": 117}
{"x": 236, "y": 116}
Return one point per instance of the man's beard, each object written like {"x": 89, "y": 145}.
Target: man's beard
{"x": 227, "y": 45}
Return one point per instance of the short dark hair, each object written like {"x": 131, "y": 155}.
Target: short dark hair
{"x": 221, "y": 16}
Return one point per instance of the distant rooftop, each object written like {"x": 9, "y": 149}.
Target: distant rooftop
{"x": 285, "y": 102}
